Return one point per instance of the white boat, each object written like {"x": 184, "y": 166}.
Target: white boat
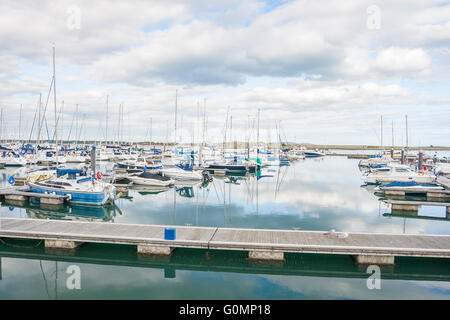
{"x": 139, "y": 163}
{"x": 295, "y": 155}
{"x": 442, "y": 169}
{"x": 49, "y": 158}
{"x": 179, "y": 174}
{"x": 408, "y": 185}
{"x": 397, "y": 172}
{"x": 314, "y": 153}
{"x": 74, "y": 158}
{"x": 81, "y": 188}
{"x": 376, "y": 161}
{"x": 13, "y": 161}
{"x": 151, "y": 179}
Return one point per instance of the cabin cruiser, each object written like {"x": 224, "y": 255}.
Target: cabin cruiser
{"x": 384, "y": 160}
{"x": 76, "y": 158}
{"x": 151, "y": 179}
{"x": 295, "y": 155}
{"x": 11, "y": 159}
{"x": 184, "y": 171}
{"x": 442, "y": 169}
{"x": 397, "y": 172}
{"x": 139, "y": 163}
{"x": 81, "y": 188}
{"x": 235, "y": 165}
{"x": 49, "y": 157}
{"x": 314, "y": 153}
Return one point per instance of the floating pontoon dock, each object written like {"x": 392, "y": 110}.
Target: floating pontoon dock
{"x": 261, "y": 244}
{"x": 22, "y": 194}
{"x": 405, "y": 205}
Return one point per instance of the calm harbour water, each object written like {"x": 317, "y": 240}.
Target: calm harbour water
{"x": 311, "y": 194}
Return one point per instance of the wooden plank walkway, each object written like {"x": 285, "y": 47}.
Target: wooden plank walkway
{"x": 267, "y": 242}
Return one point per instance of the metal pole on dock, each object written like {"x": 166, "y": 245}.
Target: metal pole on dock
{"x": 93, "y": 165}
{"x": 420, "y": 164}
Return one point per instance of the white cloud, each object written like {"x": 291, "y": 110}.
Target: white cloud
{"x": 403, "y": 61}
{"x": 301, "y": 60}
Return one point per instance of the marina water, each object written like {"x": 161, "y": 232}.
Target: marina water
{"x": 311, "y": 194}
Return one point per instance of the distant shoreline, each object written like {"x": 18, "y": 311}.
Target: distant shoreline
{"x": 356, "y": 147}
{"x": 240, "y": 144}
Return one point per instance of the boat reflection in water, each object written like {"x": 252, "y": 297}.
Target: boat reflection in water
{"x": 67, "y": 212}
{"x": 145, "y": 190}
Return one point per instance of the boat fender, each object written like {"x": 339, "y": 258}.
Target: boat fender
{"x": 99, "y": 175}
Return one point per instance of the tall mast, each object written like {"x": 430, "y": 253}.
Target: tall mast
{"x": 20, "y": 122}
{"x": 118, "y": 126}
{"x": 381, "y": 132}
{"x": 392, "y": 133}
{"x": 225, "y": 134}
{"x": 61, "y": 114}
{"x": 106, "y": 125}
{"x": 54, "y": 100}
{"x": 1, "y": 125}
{"x": 406, "y": 118}
{"x": 76, "y": 125}
{"x": 257, "y": 137}
{"x": 151, "y": 124}
{"x": 38, "y": 138}
{"x": 176, "y": 111}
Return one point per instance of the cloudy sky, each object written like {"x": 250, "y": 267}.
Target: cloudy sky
{"x": 322, "y": 71}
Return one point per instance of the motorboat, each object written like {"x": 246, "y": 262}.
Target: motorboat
{"x": 397, "y": 173}
{"x": 140, "y": 163}
{"x": 178, "y": 173}
{"x": 408, "y": 185}
{"x": 442, "y": 169}
{"x": 376, "y": 161}
{"x": 13, "y": 160}
{"x": 313, "y": 153}
{"x": 151, "y": 179}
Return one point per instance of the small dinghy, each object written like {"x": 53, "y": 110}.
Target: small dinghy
{"x": 151, "y": 179}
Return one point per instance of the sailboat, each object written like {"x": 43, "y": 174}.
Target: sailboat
{"x": 75, "y": 183}
{"x": 80, "y": 187}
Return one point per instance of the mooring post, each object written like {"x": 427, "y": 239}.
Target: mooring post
{"x": 420, "y": 164}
